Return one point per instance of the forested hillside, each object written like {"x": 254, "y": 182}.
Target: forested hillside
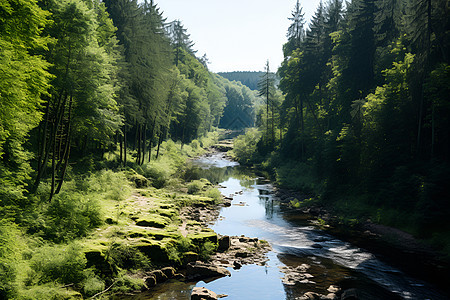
{"x": 249, "y": 79}
{"x": 89, "y": 85}
{"x": 365, "y": 115}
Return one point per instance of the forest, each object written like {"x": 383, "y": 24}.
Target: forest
{"x": 100, "y": 97}
{"x": 87, "y": 86}
{"x": 364, "y": 113}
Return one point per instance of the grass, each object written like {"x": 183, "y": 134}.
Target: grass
{"x": 98, "y": 228}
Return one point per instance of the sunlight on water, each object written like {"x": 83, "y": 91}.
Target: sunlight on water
{"x": 256, "y": 213}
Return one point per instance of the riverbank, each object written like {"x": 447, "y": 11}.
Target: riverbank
{"x": 107, "y": 232}
{"x": 392, "y": 245}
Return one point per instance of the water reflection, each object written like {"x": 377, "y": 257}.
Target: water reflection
{"x": 295, "y": 242}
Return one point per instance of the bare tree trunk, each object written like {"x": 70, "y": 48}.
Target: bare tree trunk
{"x": 125, "y": 145}
{"x": 66, "y": 155}
{"x": 151, "y": 139}
{"x": 121, "y": 148}
{"x": 161, "y": 138}
{"x": 52, "y": 190}
{"x": 139, "y": 141}
{"x": 143, "y": 144}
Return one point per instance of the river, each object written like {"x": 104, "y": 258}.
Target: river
{"x": 256, "y": 212}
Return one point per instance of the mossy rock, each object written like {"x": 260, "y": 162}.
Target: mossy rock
{"x": 154, "y": 251}
{"x": 166, "y": 206}
{"x": 139, "y": 180}
{"x": 95, "y": 258}
{"x": 202, "y": 237}
{"x": 188, "y": 257}
{"x": 165, "y": 212}
{"x": 152, "y": 221}
{"x": 140, "y": 232}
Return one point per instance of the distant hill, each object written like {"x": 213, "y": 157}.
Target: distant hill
{"x": 249, "y": 79}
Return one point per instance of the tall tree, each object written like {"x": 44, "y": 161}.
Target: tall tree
{"x": 266, "y": 90}
{"x": 24, "y": 80}
{"x": 81, "y": 102}
{"x": 296, "y": 31}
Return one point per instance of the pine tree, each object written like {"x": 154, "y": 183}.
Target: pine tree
{"x": 296, "y": 31}
{"x": 266, "y": 90}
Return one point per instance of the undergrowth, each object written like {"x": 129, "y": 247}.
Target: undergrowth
{"x": 41, "y": 245}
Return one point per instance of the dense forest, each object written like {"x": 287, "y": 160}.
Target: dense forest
{"x": 249, "y": 79}
{"x": 365, "y": 113}
{"x": 96, "y": 95}
{"x": 90, "y": 85}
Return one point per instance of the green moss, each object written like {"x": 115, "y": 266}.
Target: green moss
{"x": 153, "y": 221}
{"x": 202, "y": 237}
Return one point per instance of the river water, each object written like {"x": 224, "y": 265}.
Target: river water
{"x": 256, "y": 212}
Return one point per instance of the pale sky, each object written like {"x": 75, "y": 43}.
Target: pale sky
{"x": 237, "y": 35}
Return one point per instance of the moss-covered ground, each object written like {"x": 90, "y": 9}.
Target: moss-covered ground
{"x": 108, "y": 228}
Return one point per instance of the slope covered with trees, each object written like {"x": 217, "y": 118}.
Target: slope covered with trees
{"x": 87, "y": 86}
{"x": 249, "y": 79}
{"x": 365, "y": 115}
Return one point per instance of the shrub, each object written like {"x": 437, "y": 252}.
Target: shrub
{"x": 112, "y": 185}
{"x": 9, "y": 249}
{"x": 245, "y": 146}
{"x": 71, "y": 215}
{"x": 214, "y": 194}
{"x": 60, "y": 264}
{"x": 49, "y": 291}
{"x": 126, "y": 283}
{"x": 127, "y": 257}
{"x": 207, "y": 249}
{"x": 92, "y": 285}
{"x": 195, "y": 187}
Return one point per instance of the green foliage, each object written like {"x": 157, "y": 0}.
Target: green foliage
{"x": 214, "y": 193}
{"x": 93, "y": 285}
{"x": 24, "y": 80}
{"x": 111, "y": 185}
{"x": 10, "y": 249}
{"x": 70, "y": 215}
{"x": 126, "y": 283}
{"x": 195, "y": 187}
{"x": 127, "y": 257}
{"x": 207, "y": 249}
{"x": 249, "y": 79}
{"x": 245, "y": 146}
{"x": 63, "y": 264}
{"x": 51, "y": 291}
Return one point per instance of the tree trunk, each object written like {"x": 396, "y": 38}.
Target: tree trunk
{"x": 67, "y": 148}
{"x": 151, "y": 139}
{"x": 124, "y": 145}
{"x": 161, "y": 137}
{"x": 121, "y": 149}
{"x": 143, "y": 144}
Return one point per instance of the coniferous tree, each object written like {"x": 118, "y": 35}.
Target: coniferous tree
{"x": 296, "y": 31}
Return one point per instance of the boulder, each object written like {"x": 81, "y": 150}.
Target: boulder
{"x": 243, "y": 254}
{"x": 311, "y": 296}
{"x": 201, "y": 293}
{"x": 224, "y": 243}
{"x": 201, "y": 270}
{"x": 189, "y": 257}
{"x": 156, "y": 223}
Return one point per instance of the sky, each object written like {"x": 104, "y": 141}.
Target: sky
{"x": 237, "y": 35}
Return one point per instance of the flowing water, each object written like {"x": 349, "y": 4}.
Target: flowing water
{"x": 295, "y": 242}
